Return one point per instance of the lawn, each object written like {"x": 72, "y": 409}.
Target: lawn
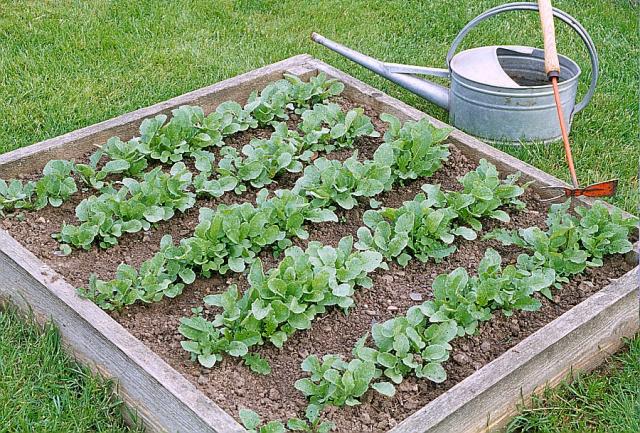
{"x": 602, "y": 402}
{"x": 43, "y": 390}
{"x": 69, "y": 64}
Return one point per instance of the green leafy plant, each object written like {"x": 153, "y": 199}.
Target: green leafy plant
{"x": 327, "y": 127}
{"x": 56, "y": 184}
{"x": 483, "y": 193}
{"x": 415, "y": 229}
{"x": 335, "y": 381}
{"x": 470, "y": 300}
{"x": 271, "y": 104}
{"x": 304, "y": 95}
{"x": 15, "y": 195}
{"x": 603, "y": 231}
{"x": 252, "y": 422}
{"x": 331, "y": 181}
{"x": 413, "y": 149}
{"x": 265, "y": 159}
{"x": 155, "y": 279}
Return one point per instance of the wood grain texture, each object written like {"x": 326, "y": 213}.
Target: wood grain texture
{"x": 77, "y": 143}
{"x": 551, "y": 61}
{"x": 166, "y": 401}
{"x": 159, "y": 395}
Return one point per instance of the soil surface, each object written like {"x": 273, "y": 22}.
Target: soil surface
{"x": 231, "y": 384}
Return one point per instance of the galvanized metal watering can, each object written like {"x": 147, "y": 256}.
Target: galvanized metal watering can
{"x": 499, "y": 92}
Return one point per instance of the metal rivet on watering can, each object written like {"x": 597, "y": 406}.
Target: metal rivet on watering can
{"x": 499, "y": 92}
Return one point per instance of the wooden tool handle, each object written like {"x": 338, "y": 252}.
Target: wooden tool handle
{"x": 551, "y": 61}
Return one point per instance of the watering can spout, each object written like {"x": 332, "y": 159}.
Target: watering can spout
{"x": 402, "y": 75}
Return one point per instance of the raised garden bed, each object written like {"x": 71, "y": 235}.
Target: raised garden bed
{"x": 488, "y": 371}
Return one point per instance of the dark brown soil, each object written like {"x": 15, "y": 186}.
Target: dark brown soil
{"x": 232, "y": 385}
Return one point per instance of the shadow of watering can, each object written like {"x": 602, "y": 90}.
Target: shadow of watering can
{"x": 498, "y": 93}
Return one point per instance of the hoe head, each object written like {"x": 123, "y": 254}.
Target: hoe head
{"x": 601, "y": 189}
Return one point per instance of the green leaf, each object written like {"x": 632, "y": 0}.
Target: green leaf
{"x": 116, "y": 166}
{"x": 385, "y": 388}
{"x": 250, "y": 419}
{"x": 257, "y": 364}
{"x": 154, "y": 214}
{"x": 434, "y": 372}
{"x": 187, "y": 275}
{"x": 237, "y": 348}
{"x": 297, "y": 424}
{"x": 207, "y": 361}
{"x": 273, "y": 427}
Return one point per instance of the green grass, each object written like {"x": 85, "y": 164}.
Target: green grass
{"x": 69, "y": 64}
{"x": 601, "y": 402}
{"x": 43, "y": 390}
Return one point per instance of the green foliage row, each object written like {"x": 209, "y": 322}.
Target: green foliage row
{"x": 133, "y": 207}
{"x": 426, "y": 226}
{"x": 227, "y": 238}
{"x": 285, "y": 299}
{"x": 419, "y": 342}
{"x": 413, "y": 150}
{"x": 187, "y": 133}
{"x": 53, "y": 188}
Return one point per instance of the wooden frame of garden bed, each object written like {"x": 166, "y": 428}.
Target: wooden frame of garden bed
{"x": 166, "y": 401}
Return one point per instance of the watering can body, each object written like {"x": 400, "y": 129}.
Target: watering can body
{"x": 498, "y": 93}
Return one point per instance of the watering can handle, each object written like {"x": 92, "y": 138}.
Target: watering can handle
{"x": 563, "y": 16}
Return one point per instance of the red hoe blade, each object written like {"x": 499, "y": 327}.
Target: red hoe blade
{"x": 552, "y": 68}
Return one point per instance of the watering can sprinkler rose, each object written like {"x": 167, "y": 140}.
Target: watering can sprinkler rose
{"x": 500, "y": 93}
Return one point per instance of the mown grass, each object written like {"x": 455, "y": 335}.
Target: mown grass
{"x": 68, "y": 64}
{"x": 607, "y": 401}
{"x": 43, "y": 390}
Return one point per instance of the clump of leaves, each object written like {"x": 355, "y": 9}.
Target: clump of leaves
{"x": 16, "y": 194}
{"x": 271, "y": 104}
{"x": 156, "y": 278}
{"x": 483, "y": 193}
{"x": 132, "y": 208}
{"x": 207, "y": 182}
{"x": 469, "y": 300}
{"x": 408, "y": 344}
{"x": 305, "y": 95}
{"x": 570, "y": 244}
{"x": 265, "y": 159}
{"x": 291, "y": 211}
{"x": 252, "y": 422}
{"x": 330, "y": 181}
{"x": 603, "y": 231}
{"x": 426, "y": 226}
{"x": 415, "y": 229}
{"x": 189, "y": 130}
{"x": 327, "y": 127}
{"x": 335, "y": 381}
{"x": 53, "y": 188}
{"x": 285, "y": 299}
{"x": 56, "y": 184}
{"x": 413, "y": 149}
{"x": 229, "y": 238}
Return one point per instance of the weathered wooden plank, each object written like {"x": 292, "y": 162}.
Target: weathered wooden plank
{"x": 578, "y": 340}
{"x": 160, "y": 396}
{"x": 77, "y": 143}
